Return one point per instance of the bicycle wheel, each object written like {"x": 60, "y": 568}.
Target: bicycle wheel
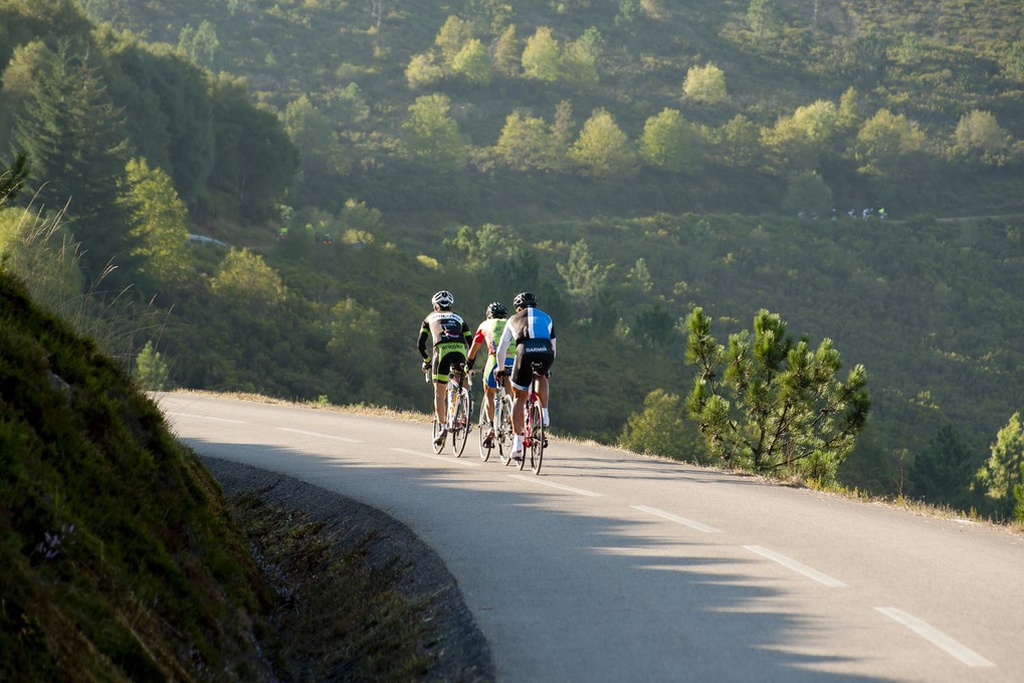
{"x": 435, "y": 444}
{"x": 505, "y": 431}
{"x": 483, "y": 427}
{"x": 461, "y": 424}
{"x": 536, "y": 438}
{"x": 521, "y": 462}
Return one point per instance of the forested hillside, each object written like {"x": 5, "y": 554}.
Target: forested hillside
{"x": 855, "y": 167}
{"x": 487, "y": 111}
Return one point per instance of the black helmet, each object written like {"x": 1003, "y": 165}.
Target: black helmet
{"x": 496, "y": 309}
{"x": 443, "y": 299}
{"x": 524, "y": 300}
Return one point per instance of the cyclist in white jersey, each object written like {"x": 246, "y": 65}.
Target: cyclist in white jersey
{"x": 534, "y": 335}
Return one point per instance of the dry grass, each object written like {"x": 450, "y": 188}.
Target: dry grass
{"x": 334, "y": 618}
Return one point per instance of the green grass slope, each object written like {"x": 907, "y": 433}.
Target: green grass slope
{"x": 117, "y": 558}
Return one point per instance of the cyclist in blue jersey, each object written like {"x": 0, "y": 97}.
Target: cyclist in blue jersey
{"x": 449, "y": 336}
{"x": 534, "y": 334}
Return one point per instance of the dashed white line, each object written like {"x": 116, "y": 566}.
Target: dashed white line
{"x": 936, "y": 637}
{"x": 679, "y": 520}
{"x": 553, "y": 485}
{"x": 318, "y": 434}
{"x": 789, "y": 563}
{"x": 450, "y": 459}
{"x": 207, "y": 417}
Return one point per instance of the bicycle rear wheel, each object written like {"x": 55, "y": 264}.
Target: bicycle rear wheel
{"x": 521, "y": 462}
{"x": 505, "y": 431}
{"x": 483, "y": 427}
{"x": 435, "y": 444}
{"x": 536, "y": 438}
{"x": 461, "y": 424}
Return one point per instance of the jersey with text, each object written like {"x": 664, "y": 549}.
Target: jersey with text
{"x": 442, "y": 327}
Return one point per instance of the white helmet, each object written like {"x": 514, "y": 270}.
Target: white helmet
{"x": 443, "y": 299}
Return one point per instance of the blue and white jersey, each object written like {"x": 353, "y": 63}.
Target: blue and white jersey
{"x": 529, "y": 323}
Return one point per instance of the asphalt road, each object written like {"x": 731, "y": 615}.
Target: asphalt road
{"x": 614, "y": 567}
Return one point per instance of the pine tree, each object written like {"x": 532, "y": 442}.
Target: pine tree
{"x": 74, "y": 138}
{"x": 944, "y": 470}
{"x": 772, "y": 405}
{"x": 151, "y": 371}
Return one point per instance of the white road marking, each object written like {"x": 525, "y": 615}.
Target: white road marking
{"x": 553, "y": 485}
{"x": 450, "y": 459}
{"x": 936, "y": 637}
{"x": 318, "y": 434}
{"x": 207, "y": 417}
{"x": 675, "y": 518}
{"x": 823, "y": 579}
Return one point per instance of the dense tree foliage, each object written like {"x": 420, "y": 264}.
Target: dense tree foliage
{"x": 79, "y": 102}
{"x": 541, "y": 56}
{"x": 663, "y": 428}
{"x": 705, "y": 84}
{"x": 159, "y": 222}
{"x": 944, "y": 470}
{"x": 554, "y": 147}
{"x": 74, "y": 138}
{"x": 668, "y": 142}
{"x": 253, "y": 158}
{"x": 924, "y": 103}
{"x": 603, "y": 149}
{"x": 1000, "y": 476}
{"x": 432, "y": 137}
{"x": 527, "y": 143}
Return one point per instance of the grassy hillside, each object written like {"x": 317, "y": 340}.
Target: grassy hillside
{"x": 119, "y": 561}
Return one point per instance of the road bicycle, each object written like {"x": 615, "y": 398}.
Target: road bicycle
{"x": 459, "y": 409}
{"x": 502, "y": 425}
{"x": 535, "y": 440}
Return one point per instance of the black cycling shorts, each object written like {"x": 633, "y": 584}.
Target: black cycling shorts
{"x": 448, "y": 356}
{"x": 532, "y": 355}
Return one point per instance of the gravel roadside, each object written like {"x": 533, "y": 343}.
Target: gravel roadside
{"x": 461, "y": 652}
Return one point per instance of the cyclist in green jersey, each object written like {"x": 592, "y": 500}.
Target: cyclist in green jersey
{"x": 449, "y": 336}
{"x": 487, "y": 334}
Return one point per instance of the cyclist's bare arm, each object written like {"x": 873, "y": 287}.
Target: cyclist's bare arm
{"x": 473, "y": 350}
{"x": 501, "y": 349}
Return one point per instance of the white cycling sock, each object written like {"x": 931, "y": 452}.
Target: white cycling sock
{"x": 517, "y": 443}
{"x": 544, "y": 416}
